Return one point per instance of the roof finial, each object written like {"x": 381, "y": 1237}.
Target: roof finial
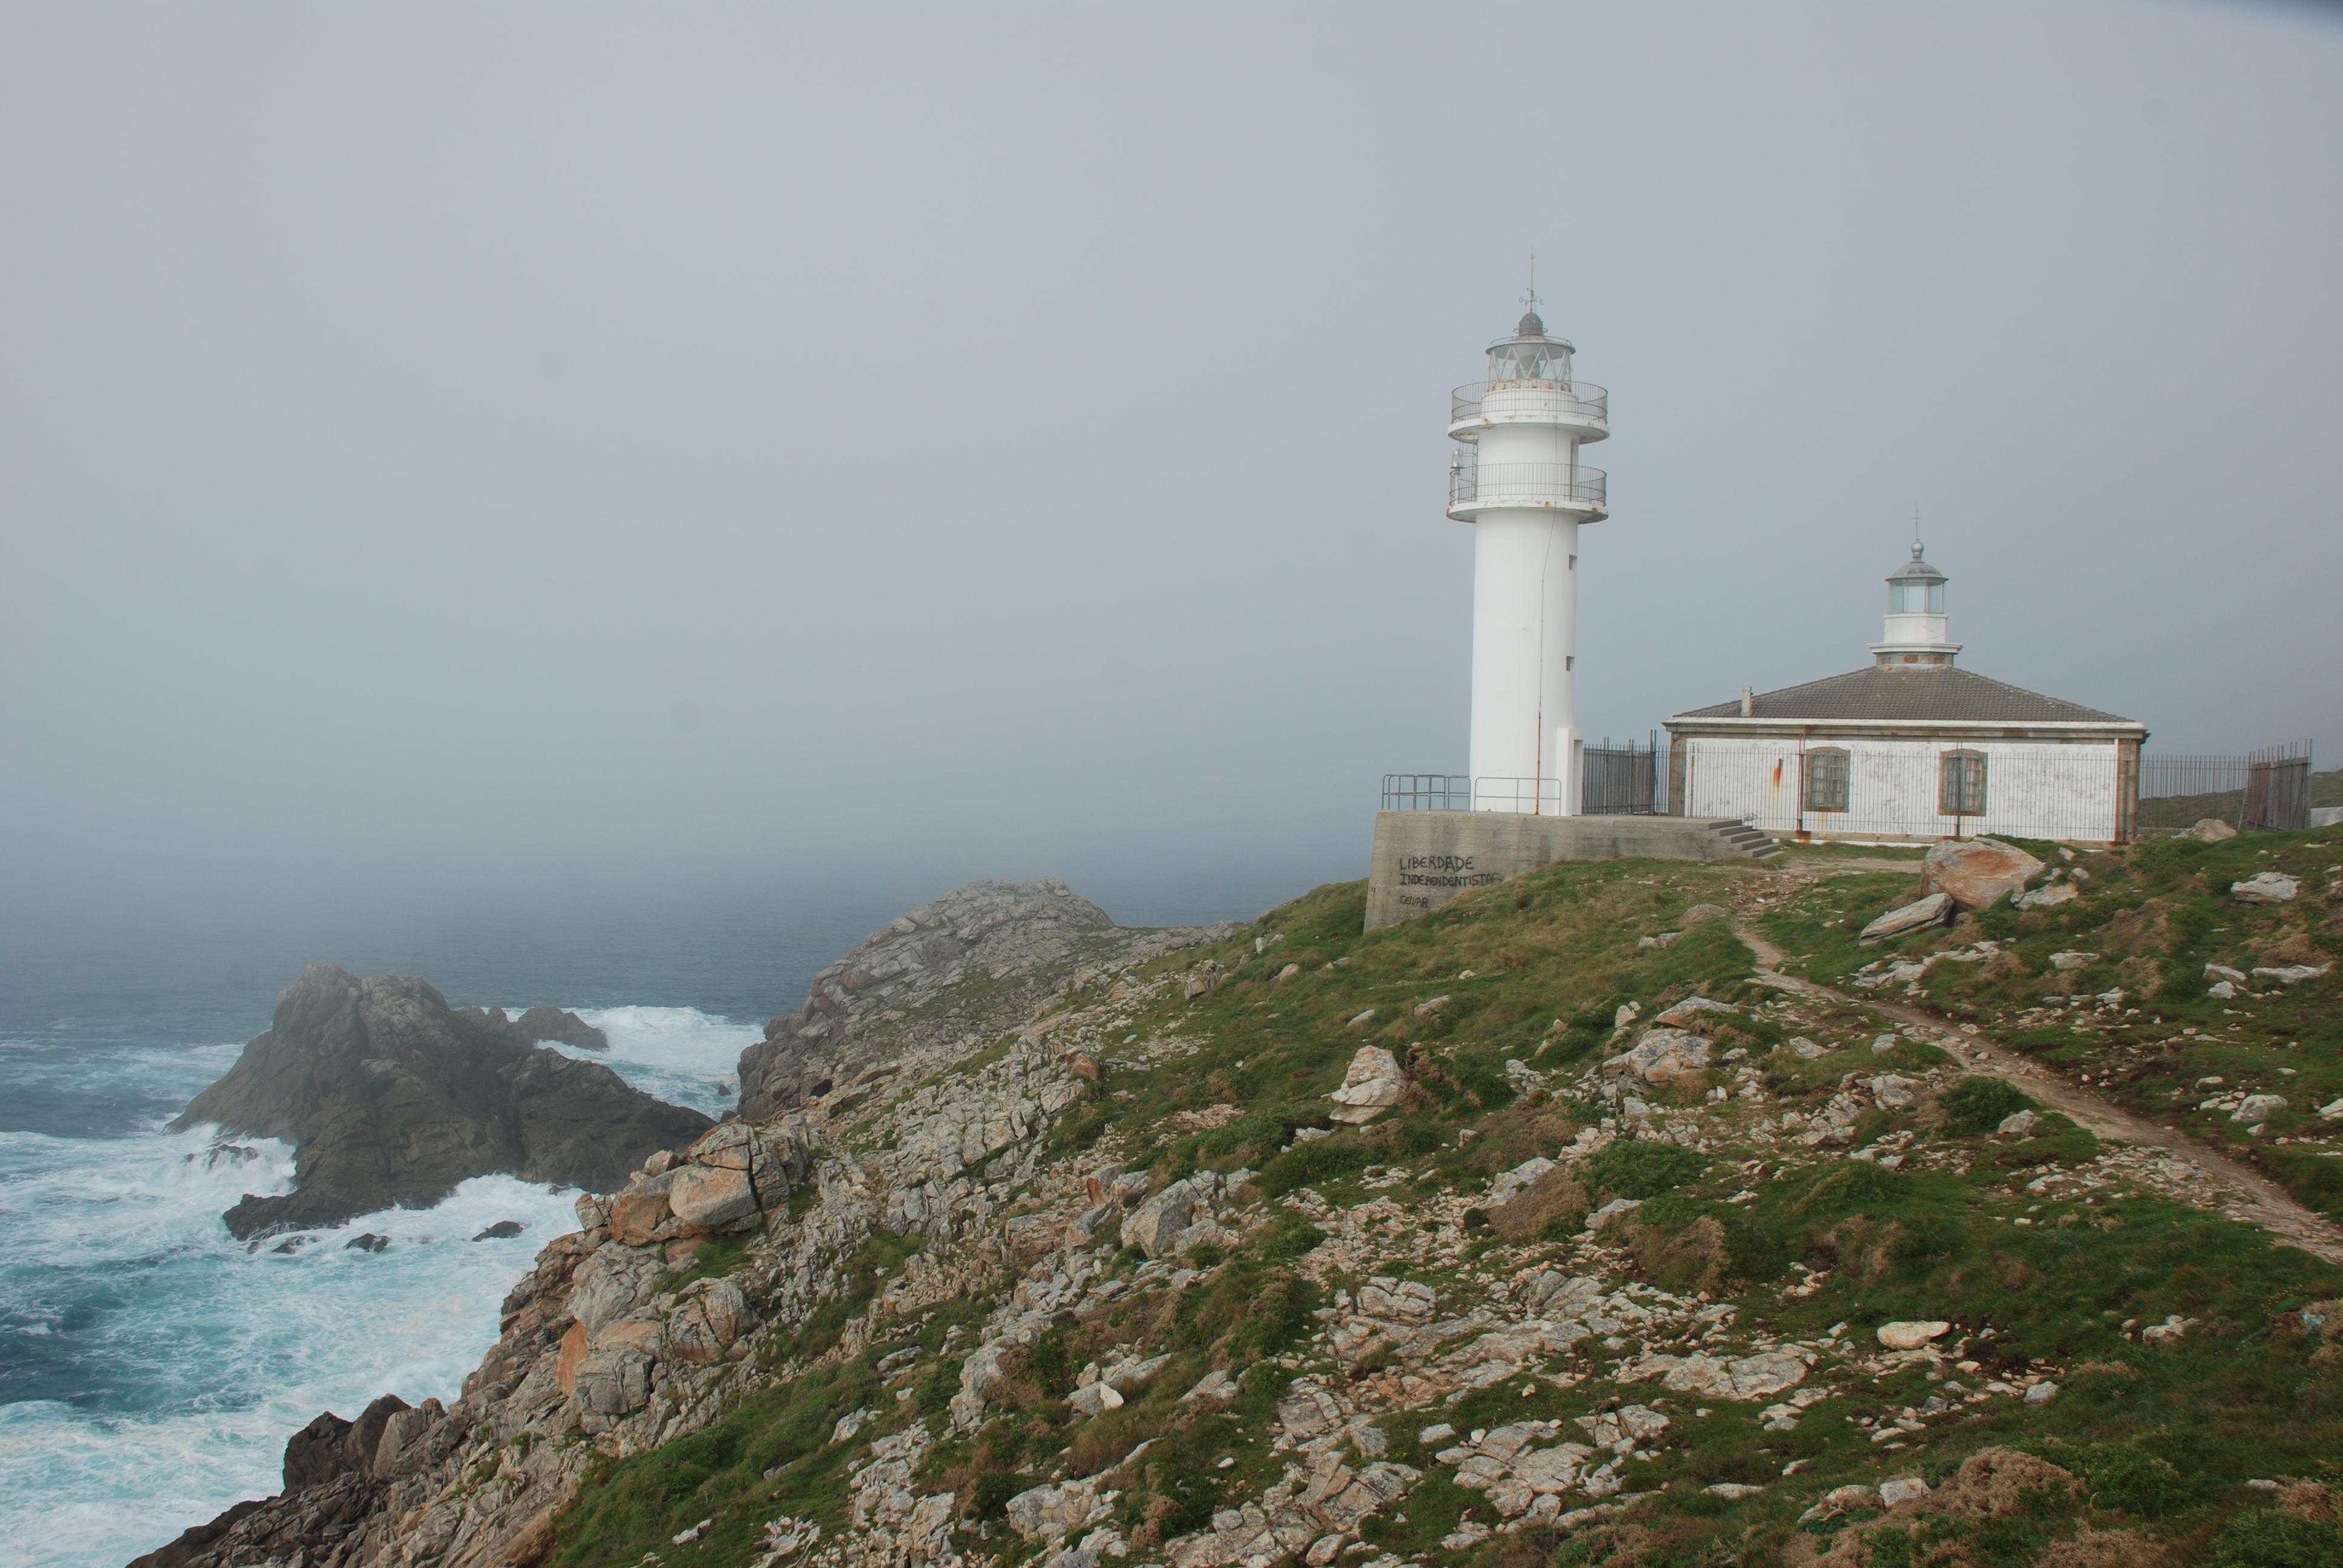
{"x": 1530, "y": 301}
{"x": 1915, "y": 530}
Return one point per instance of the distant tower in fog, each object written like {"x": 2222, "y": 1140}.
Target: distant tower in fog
{"x": 1519, "y": 482}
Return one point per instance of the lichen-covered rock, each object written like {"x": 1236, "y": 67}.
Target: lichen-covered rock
{"x": 2268, "y": 887}
{"x": 1343, "y": 1498}
{"x": 707, "y": 1322}
{"x": 1051, "y": 1512}
{"x": 612, "y": 1383}
{"x": 1932, "y": 910}
{"x": 1021, "y": 937}
{"x": 1174, "y": 1220}
{"x": 1750, "y": 1377}
{"x": 1910, "y": 1335}
{"x": 1661, "y": 1055}
{"x": 1974, "y": 872}
{"x": 610, "y": 1286}
{"x": 1371, "y": 1085}
{"x": 710, "y": 1198}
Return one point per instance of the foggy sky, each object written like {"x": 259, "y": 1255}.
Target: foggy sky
{"x": 584, "y": 448}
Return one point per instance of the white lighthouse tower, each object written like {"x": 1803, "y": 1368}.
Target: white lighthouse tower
{"x": 1519, "y": 482}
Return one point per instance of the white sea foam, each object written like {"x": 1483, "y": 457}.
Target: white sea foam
{"x": 680, "y": 1054}
{"x": 193, "y": 1356}
{"x": 167, "y": 1362}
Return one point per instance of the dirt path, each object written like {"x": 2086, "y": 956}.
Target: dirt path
{"x": 2245, "y": 1194}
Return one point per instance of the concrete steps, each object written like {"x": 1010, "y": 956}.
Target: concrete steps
{"x": 1746, "y": 840}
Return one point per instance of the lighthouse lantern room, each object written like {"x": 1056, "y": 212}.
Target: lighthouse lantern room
{"x": 1518, "y": 481}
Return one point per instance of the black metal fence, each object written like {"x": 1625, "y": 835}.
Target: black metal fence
{"x": 2268, "y": 789}
{"x": 1622, "y": 779}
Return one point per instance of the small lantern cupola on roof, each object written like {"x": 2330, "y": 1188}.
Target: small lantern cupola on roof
{"x": 1529, "y": 355}
{"x": 1919, "y": 634}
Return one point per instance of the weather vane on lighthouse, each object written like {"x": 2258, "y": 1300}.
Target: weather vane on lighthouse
{"x": 1519, "y": 482}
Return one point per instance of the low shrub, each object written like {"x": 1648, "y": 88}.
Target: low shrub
{"x": 990, "y": 1494}
{"x": 1637, "y": 1167}
{"x": 1308, "y": 1164}
{"x": 2265, "y": 1538}
{"x": 1977, "y": 1105}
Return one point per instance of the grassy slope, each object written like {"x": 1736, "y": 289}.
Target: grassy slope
{"x": 1532, "y": 971}
{"x": 2153, "y": 919}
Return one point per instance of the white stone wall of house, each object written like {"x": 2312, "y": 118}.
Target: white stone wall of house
{"x": 2034, "y": 789}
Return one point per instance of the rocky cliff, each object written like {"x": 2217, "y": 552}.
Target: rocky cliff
{"x": 903, "y": 989}
{"x": 392, "y": 1096}
{"x": 1560, "y": 1227}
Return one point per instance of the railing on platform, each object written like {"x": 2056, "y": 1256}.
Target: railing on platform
{"x": 1475, "y": 484}
{"x": 1427, "y": 792}
{"x": 1621, "y": 778}
{"x": 1577, "y": 402}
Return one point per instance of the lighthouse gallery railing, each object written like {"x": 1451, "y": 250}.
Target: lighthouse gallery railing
{"x": 1472, "y": 483}
{"x": 1572, "y": 401}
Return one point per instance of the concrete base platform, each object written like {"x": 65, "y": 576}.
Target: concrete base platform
{"x": 1423, "y": 859}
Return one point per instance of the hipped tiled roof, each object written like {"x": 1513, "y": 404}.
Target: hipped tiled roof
{"x": 1935, "y": 694}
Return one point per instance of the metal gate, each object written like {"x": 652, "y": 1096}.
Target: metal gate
{"x": 2278, "y": 789}
{"x": 2269, "y": 789}
{"x": 1620, "y": 780}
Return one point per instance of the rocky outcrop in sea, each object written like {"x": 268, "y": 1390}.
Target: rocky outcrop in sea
{"x": 391, "y": 1097}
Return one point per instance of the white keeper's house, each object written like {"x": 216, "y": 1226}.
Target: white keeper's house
{"x": 1909, "y": 747}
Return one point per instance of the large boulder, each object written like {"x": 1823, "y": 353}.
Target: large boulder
{"x": 1911, "y": 1333}
{"x": 1934, "y": 909}
{"x": 610, "y": 1283}
{"x": 404, "y": 1437}
{"x": 317, "y": 1452}
{"x": 2268, "y": 887}
{"x": 611, "y": 1384}
{"x": 391, "y": 1098}
{"x": 365, "y": 1436}
{"x": 640, "y": 1216}
{"x": 707, "y": 1322}
{"x": 709, "y": 1198}
{"x": 1661, "y": 1056}
{"x": 1155, "y": 1225}
{"x": 1373, "y": 1085}
{"x": 1976, "y": 871}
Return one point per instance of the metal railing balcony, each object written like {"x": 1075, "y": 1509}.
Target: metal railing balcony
{"x": 1559, "y": 402}
{"x": 1427, "y": 792}
{"x": 1563, "y": 485}
{"x": 1615, "y": 780}
{"x": 1456, "y": 793}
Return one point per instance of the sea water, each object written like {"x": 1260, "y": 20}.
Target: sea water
{"x": 152, "y": 1366}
